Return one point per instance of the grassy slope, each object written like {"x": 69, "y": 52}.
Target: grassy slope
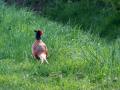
{"x": 84, "y": 61}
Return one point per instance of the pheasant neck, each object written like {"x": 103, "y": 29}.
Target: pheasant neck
{"x": 38, "y": 40}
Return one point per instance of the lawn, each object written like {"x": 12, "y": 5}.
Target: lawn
{"x": 78, "y": 60}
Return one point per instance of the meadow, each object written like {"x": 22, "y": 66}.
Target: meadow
{"x": 78, "y": 60}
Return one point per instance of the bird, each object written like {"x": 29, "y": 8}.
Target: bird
{"x": 39, "y": 48}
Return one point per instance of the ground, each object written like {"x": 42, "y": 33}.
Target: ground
{"x": 78, "y": 60}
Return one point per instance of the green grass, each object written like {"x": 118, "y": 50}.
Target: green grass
{"x": 78, "y": 60}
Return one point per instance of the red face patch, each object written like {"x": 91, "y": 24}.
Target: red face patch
{"x": 40, "y": 32}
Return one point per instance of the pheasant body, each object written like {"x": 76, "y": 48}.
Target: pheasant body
{"x": 39, "y": 50}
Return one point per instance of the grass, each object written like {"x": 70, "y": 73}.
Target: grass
{"x": 78, "y": 60}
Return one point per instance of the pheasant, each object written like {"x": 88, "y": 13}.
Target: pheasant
{"x": 39, "y": 48}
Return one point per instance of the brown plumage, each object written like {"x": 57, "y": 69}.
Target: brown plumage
{"x": 39, "y": 48}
